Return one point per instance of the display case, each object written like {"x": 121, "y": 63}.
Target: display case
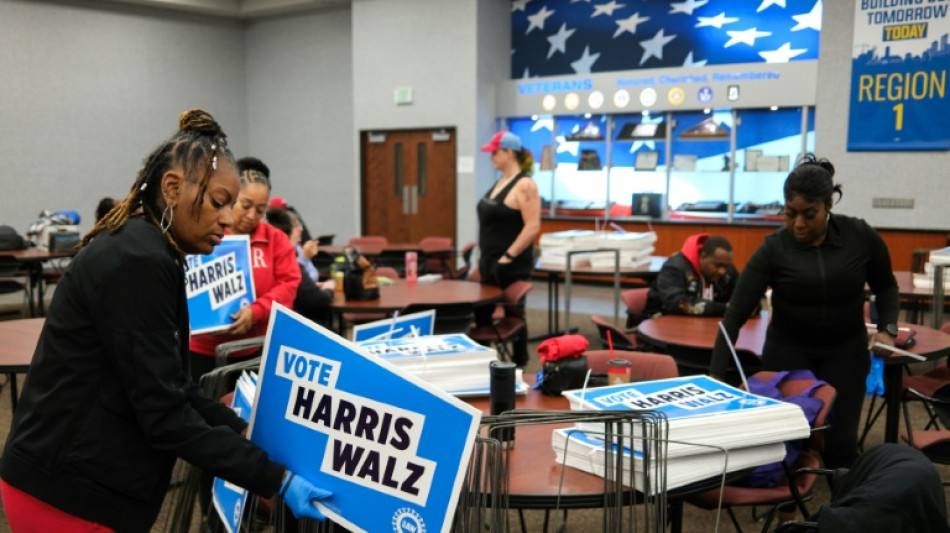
{"x": 725, "y": 164}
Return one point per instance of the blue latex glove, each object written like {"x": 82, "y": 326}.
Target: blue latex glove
{"x": 875, "y": 380}
{"x": 298, "y": 494}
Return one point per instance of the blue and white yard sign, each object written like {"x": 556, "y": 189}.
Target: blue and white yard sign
{"x": 391, "y": 448}
{"x": 899, "y": 69}
{"x": 683, "y": 397}
{"x": 219, "y": 285}
{"x": 229, "y": 499}
{"x": 394, "y": 328}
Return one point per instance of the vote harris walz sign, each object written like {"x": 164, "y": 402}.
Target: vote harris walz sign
{"x": 899, "y": 69}
{"x": 391, "y": 448}
{"x": 219, "y": 284}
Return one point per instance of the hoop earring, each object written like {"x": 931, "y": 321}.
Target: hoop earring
{"x": 171, "y": 215}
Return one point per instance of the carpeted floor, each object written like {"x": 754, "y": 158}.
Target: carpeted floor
{"x": 587, "y": 300}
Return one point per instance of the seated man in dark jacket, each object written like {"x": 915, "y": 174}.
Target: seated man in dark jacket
{"x": 698, "y": 280}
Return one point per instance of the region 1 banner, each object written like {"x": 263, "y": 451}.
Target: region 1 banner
{"x": 415, "y": 324}
{"x": 393, "y": 449}
{"x": 219, "y": 284}
{"x": 899, "y": 76}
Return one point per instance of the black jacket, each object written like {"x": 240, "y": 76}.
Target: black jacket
{"x": 108, "y": 403}
{"x": 818, "y": 293}
{"x": 678, "y": 290}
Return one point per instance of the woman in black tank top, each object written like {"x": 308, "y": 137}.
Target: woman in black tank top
{"x": 509, "y": 218}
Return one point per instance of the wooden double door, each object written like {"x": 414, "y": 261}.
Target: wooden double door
{"x": 408, "y": 184}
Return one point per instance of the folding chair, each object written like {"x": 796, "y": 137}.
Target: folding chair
{"x": 621, "y": 340}
{"x": 10, "y": 282}
{"x": 888, "y": 488}
{"x": 792, "y": 490}
{"x": 434, "y": 264}
{"x": 636, "y": 302}
{"x": 510, "y": 326}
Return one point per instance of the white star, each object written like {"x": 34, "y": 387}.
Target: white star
{"x": 526, "y": 74}
{"x": 583, "y": 64}
{"x": 537, "y": 20}
{"x": 783, "y": 54}
{"x": 564, "y": 145}
{"x": 812, "y": 19}
{"x": 654, "y": 47}
{"x": 766, "y": 3}
{"x": 717, "y": 21}
{"x": 629, "y": 24}
{"x": 606, "y": 9}
{"x": 519, "y": 5}
{"x": 690, "y": 63}
{"x": 559, "y": 40}
{"x": 543, "y": 124}
{"x": 686, "y": 7}
{"x": 745, "y": 36}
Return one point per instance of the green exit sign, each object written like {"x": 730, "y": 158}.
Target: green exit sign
{"x": 403, "y": 95}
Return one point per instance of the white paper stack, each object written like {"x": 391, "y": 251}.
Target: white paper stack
{"x": 454, "y": 363}
{"x": 940, "y": 257}
{"x": 586, "y": 452}
{"x": 635, "y": 248}
{"x": 703, "y": 411}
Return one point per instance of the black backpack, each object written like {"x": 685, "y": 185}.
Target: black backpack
{"x": 10, "y": 239}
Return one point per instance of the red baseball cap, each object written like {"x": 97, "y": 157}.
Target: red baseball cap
{"x": 277, "y": 201}
{"x": 504, "y": 140}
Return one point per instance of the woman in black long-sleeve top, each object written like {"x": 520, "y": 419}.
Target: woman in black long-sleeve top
{"x": 817, "y": 266}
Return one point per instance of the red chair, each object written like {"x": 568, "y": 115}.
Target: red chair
{"x": 435, "y": 264}
{"x": 645, "y": 365}
{"x": 369, "y": 240}
{"x": 464, "y": 271}
{"x": 934, "y": 443}
{"x": 784, "y": 493}
{"x": 387, "y": 272}
{"x": 636, "y": 302}
{"x": 509, "y": 327}
{"x": 620, "y": 339}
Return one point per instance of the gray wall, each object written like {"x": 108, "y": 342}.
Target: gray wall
{"x": 918, "y": 175}
{"x": 300, "y": 114}
{"x": 87, "y": 93}
{"x": 441, "y": 49}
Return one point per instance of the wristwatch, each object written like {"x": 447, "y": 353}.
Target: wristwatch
{"x": 891, "y": 329}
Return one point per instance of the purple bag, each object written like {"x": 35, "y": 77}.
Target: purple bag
{"x": 769, "y": 475}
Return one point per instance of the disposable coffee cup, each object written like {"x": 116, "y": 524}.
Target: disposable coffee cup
{"x": 502, "y": 398}
{"x": 618, "y": 371}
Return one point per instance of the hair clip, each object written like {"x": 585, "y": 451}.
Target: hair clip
{"x": 214, "y": 158}
{"x": 142, "y": 188}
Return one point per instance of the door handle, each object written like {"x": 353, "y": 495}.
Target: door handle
{"x": 405, "y": 199}
{"x": 415, "y": 199}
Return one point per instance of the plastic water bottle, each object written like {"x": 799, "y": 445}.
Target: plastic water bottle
{"x": 412, "y": 274}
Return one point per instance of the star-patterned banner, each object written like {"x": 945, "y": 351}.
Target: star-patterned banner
{"x": 899, "y": 77}
{"x": 558, "y": 37}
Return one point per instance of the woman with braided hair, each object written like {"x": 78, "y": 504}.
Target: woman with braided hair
{"x": 109, "y": 403}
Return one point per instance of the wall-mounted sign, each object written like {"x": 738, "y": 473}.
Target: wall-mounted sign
{"x": 899, "y": 77}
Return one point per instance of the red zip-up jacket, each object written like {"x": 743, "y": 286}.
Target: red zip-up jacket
{"x": 276, "y": 276}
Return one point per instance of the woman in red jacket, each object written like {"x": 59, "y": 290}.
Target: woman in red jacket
{"x": 275, "y": 271}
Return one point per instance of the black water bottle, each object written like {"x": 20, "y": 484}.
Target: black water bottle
{"x": 502, "y": 398}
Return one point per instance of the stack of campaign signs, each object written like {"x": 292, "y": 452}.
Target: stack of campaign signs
{"x": 453, "y": 363}
{"x": 229, "y": 499}
{"x": 705, "y": 416}
{"x": 634, "y": 248}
